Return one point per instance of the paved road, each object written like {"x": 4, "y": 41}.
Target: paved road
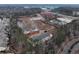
{"x": 75, "y": 49}
{"x": 69, "y": 45}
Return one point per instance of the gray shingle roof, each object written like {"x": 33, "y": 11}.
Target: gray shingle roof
{"x": 40, "y": 37}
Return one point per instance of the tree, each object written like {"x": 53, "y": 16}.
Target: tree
{"x": 60, "y": 36}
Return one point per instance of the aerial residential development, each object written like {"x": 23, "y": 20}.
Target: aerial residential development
{"x": 39, "y": 29}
